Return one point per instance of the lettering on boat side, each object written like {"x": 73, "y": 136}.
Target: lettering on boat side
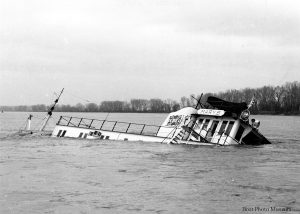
{"x": 175, "y": 120}
{"x": 212, "y": 112}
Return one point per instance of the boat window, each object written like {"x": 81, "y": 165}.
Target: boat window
{"x": 102, "y": 136}
{"x": 107, "y": 137}
{"x": 223, "y": 126}
{"x": 200, "y": 121}
{"x": 239, "y": 133}
{"x": 64, "y": 132}
{"x": 229, "y": 127}
{"x": 214, "y": 127}
{"x": 206, "y": 122}
{"x": 59, "y": 132}
{"x": 85, "y": 135}
{"x": 80, "y": 135}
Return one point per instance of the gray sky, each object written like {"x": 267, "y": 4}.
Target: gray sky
{"x": 121, "y": 49}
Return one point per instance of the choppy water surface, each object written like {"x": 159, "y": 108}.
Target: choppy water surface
{"x": 54, "y": 175}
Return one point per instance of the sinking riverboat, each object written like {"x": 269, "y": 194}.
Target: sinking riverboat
{"x": 223, "y": 123}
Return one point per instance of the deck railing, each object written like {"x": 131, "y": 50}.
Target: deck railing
{"x": 106, "y": 125}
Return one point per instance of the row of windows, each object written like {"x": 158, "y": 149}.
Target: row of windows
{"x": 225, "y": 127}
{"x": 62, "y": 133}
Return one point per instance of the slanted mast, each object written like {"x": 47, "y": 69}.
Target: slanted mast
{"x": 49, "y": 113}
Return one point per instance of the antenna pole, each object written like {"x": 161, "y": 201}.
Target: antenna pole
{"x": 49, "y": 113}
{"x": 199, "y": 101}
{"x": 252, "y": 101}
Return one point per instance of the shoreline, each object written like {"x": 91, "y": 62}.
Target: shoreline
{"x": 139, "y": 112}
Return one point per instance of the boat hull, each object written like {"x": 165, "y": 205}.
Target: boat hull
{"x": 85, "y": 133}
{"x": 179, "y": 128}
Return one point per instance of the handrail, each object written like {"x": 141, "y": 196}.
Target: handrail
{"x": 63, "y": 117}
{"x": 87, "y": 123}
{"x": 69, "y": 121}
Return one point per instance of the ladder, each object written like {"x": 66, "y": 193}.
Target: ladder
{"x": 177, "y": 137}
{"x": 186, "y": 130}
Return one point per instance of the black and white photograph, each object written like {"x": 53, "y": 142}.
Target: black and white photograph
{"x": 149, "y": 106}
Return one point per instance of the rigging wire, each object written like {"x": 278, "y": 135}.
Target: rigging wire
{"x": 23, "y": 126}
{"x": 87, "y": 101}
{"x": 76, "y": 96}
{"x": 38, "y": 124}
{"x": 107, "y": 116}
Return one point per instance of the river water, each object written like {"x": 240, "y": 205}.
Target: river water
{"x": 55, "y": 175}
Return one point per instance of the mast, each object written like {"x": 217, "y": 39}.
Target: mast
{"x": 49, "y": 113}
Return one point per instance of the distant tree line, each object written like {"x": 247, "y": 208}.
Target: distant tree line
{"x": 135, "y": 105}
{"x": 283, "y": 99}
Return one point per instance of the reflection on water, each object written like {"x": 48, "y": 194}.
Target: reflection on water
{"x": 51, "y": 175}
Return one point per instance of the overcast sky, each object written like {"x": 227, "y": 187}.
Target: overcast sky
{"x": 121, "y": 49}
